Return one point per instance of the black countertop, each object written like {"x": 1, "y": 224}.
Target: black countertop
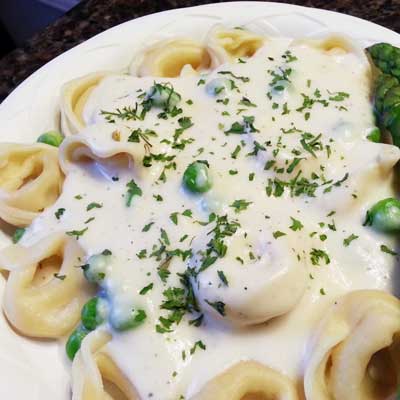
{"x": 93, "y": 16}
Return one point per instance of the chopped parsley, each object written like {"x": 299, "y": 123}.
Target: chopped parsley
{"x": 59, "y": 213}
{"x": 222, "y": 277}
{"x": 348, "y": 240}
{"x": 216, "y": 247}
{"x": 386, "y": 249}
{"x": 247, "y": 126}
{"x": 218, "y": 306}
{"x": 93, "y": 205}
{"x": 184, "y": 123}
{"x": 161, "y": 157}
{"x": 338, "y": 96}
{"x": 296, "y": 225}
{"x": 188, "y": 213}
{"x": 146, "y": 289}
{"x": 164, "y": 237}
{"x": 318, "y": 255}
{"x": 240, "y": 78}
{"x": 147, "y": 227}
{"x": 163, "y": 273}
{"x": 178, "y": 301}
{"x": 138, "y": 134}
{"x": 77, "y": 233}
{"x": 133, "y": 190}
{"x": 257, "y": 147}
{"x": 235, "y": 153}
{"x": 246, "y": 102}
{"x": 127, "y": 113}
{"x": 174, "y": 218}
{"x": 279, "y": 78}
{"x": 199, "y": 344}
{"x": 278, "y": 234}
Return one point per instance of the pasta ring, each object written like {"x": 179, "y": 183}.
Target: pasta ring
{"x": 37, "y": 303}
{"x": 227, "y": 44}
{"x": 357, "y": 337}
{"x": 274, "y": 284}
{"x": 31, "y": 180}
{"x": 74, "y": 95}
{"x": 77, "y": 149}
{"x": 92, "y": 367}
{"x": 249, "y": 378}
{"x": 168, "y": 57}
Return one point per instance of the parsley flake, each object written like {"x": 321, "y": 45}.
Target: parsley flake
{"x": 59, "y": 213}
{"x": 240, "y": 205}
{"x": 348, "y": 240}
{"x": 146, "y": 289}
{"x": 386, "y": 249}
{"x": 93, "y": 205}
{"x": 133, "y": 190}
{"x": 296, "y": 225}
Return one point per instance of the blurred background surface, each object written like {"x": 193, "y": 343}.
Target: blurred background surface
{"x": 33, "y": 32}
{"x": 21, "y": 19}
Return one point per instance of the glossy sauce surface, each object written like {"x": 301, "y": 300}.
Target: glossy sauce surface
{"x": 319, "y": 236}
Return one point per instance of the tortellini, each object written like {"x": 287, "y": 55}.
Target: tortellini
{"x": 108, "y": 155}
{"x": 74, "y": 95}
{"x": 335, "y": 45}
{"x": 371, "y": 164}
{"x": 227, "y": 44}
{"x": 269, "y": 286}
{"x": 348, "y": 172}
{"x": 30, "y": 181}
{"x": 45, "y": 289}
{"x": 93, "y": 369}
{"x": 355, "y": 352}
{"x": 168, "y": 57}
{"x": 249, "y": 380}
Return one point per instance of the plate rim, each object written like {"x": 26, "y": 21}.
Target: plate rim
{"x": 237, "y": 4}
{"x": 26, "y": 86}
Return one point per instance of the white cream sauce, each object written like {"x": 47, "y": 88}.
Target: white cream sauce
{"x": 153, "y": 361}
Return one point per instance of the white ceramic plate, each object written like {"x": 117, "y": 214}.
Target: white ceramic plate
{"x": 31, "y": 369}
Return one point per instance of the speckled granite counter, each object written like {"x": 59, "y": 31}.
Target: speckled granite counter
{"x": 93, "y": 16}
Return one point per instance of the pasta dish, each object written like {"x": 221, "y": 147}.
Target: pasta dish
{"x": 215, "y": 223}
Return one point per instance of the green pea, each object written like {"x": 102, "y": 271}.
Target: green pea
{"x": 384, "y": 215}
{"x": 196, "y": 177}
{"x": 121, "y": 320}
{"x": 96, "y": 267}
{"x": 164, "y": 96}
{"x": 92, "y": 314}
{"x": 218, "y": 85}
{"x": 374, "y": 135}
{"x": 74, "y": 341}
{"x": 52, "y": 138}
